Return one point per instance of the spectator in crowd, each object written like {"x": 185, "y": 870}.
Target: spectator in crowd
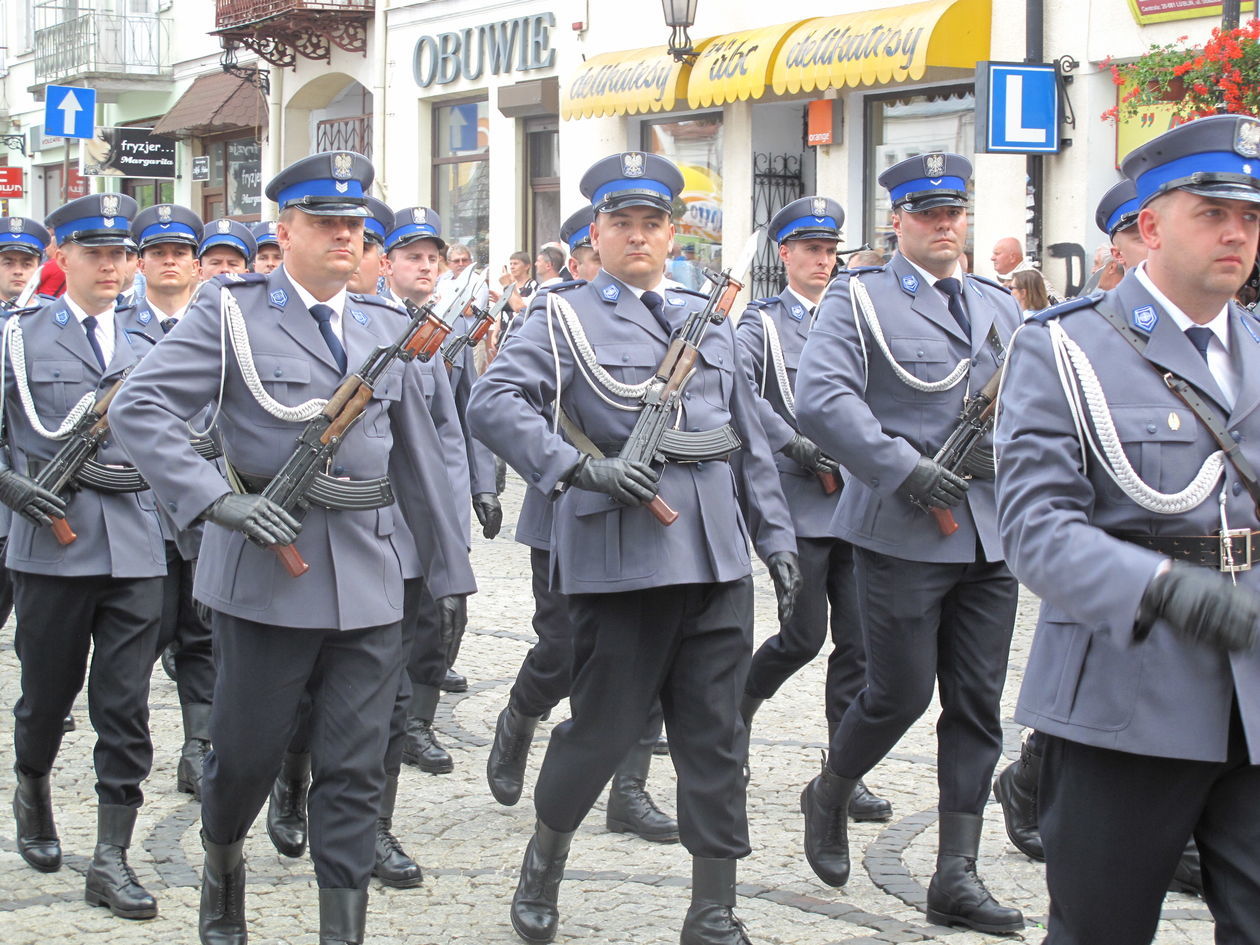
{"x": 458, "y": 258}
{"x": 52, "y": 279}
{"x": 1008, "y": 258}
{"x": 1029, "y": 290}
{"x": 682, "y": 267}
{"x": 547, "y": 266}
{"x": 865, "y": 257}
{"x": 518, "y": 279}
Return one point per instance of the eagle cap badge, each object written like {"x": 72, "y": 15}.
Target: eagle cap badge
{"x": 820, "y": 206}
{"x": 164, "y": 213}
{"x": 934, "y": 164}
{"x": 1247, "y": 138}
{"x": 632, "y": 163}
{"x": 109, "y": 205}
{"x": 15, "y": 224}
{"x": 225, "y": 226}
{"x": 342, "y": 163}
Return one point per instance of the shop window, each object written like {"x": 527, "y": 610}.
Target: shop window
{"x": 149, "y": 192}
{"x": 902, "y": 125}
{"x": 461, "y": 164}
{"x": 542, "y": 151}
{"x": 234, "y": 185}
{"x": 695, "y": 145}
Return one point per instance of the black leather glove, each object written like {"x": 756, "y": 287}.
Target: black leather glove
{"x": 489, "y": 513}
{"x": 785, "y": 571}
{"x": 933, "y": 486}
{"x": 21, "y": 494}
{"x": 980, "y": 464}
{"x": 805, "y": 453}
{"x": 258, "y": 518}
{"x": 1200, "y": 604}
{"x": 629, "y": 483}
{"x": 452, "y": 619}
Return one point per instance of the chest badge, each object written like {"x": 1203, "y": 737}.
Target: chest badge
{"x": 1174, "y": 421}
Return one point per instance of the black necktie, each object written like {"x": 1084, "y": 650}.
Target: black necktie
{"x": 89, "y": 326}
{"x": 1200, "y": 337}
{"x": 953, "y": 288}
{"x": 656, "y": 305}
{"x": 323, "y": 314}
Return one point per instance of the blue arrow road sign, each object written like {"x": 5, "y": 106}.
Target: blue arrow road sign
{"x": 1018, "y": 108}
{"x": 69, "y": 112}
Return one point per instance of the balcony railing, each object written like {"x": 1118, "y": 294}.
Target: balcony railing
{"x": 281, "y": 30}
{"x": 89, "y": 43}
{"x": 345, "y": 134}
{"x": 230, "y": 13}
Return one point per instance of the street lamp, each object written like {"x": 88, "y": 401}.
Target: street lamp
{"x": 679, "y": 16}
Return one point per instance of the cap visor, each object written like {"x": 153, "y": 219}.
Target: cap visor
{"x": 332, "y": 209}
{"x": 103, "y": 239}
{"x": 441, "y": 243}
{"x": 621, "y": 201}
{"x": 919, "y": 204}
{"x": 820, "y": 233}
{"x": 174, "y": 238}
{"x": 1226, "y": 191}
{"x": 20, "y": 248}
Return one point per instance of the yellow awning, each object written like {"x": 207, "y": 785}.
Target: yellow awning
{"x": 626, "y": 82}
{"x": 735, "y": 66}
{"x": 896, "y": 44}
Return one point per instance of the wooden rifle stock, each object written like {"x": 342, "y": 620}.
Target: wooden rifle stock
{"x": 828, "y": 482}
{"x": 662, "y": 512}
{"x": 292, "y": 560}
{"x": 944, "y": 521}
{"x": 62, "y": 531}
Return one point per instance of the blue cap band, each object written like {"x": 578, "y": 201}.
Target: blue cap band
{"x": 579, "y": 237}
{"x": 1124, "y": 210}
{"x": 1214, "y": 162}
{"x": 351, "y": 190}
{"x": 922, "y": 184}
{"x": 418, "y": 230}
{"x": 96, "y": 225}
{"x": 631, "y": 183}
{"x": 226, "y": 239}
{"x": 802, "y": 223}
{"x": 26, "y": 239}
{"x": 374, "y": 227}
{"x": 168, "y": 229}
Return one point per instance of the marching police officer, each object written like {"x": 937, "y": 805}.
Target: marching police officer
{"x": 225, "y": 246}
{"x": 894, "y": 352}
{"x": 546, "y": 672}
{"x": 656, "y": 611}
{"x": 1120, "y": 503}
{"x": 772, "y": 333}
{"x": 269, "y": 255}
{"x": 103, "y": 589}
{"x": 166, "y": 236}
{"x": 22, "y": 245}
{"x": 335, "y": 632}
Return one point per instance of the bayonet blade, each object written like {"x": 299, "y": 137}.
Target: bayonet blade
{"x": 745, "y": 259}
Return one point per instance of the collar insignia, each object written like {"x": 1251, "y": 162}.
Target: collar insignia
{"x": 279, "y": 298}
{"x": 1145, "y": 318}
{"x": 632, "y": 163}
{"x": 910, "y": 283}
{"x": 359, "y": 316}
{"x": 1247, "y": 138}
{"x": 797, "y": 311}
{"x": 934, "y": 164}
{"x": 145, "y": 317}
{"x": 611, "y": 293}
{"x": 342, "y": 162}
{"x": 62, "y": 318}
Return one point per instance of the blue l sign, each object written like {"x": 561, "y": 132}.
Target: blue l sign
{"x": 1018, "y": 108}
{"x": 69, "y": 112}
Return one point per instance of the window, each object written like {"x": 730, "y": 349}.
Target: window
{"x": 695, "y": 145}
{"x": 901, "y": 125}
{"x": 542, "y": 152}
{"x": 149, "y": 192}
{"x": 461, "y": 185}
{"x": 234, "y": 186}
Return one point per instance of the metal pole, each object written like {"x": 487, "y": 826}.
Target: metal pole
{"x": 1231, "y": 13}
{"x": 1035, "y": 51}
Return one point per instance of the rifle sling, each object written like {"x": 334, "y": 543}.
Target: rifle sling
{"x": 1192, "y": 398}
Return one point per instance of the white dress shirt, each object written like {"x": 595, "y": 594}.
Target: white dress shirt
{"x": 104, "y": 326}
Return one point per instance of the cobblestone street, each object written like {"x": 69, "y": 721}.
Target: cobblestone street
{"x": 617, "y": 889}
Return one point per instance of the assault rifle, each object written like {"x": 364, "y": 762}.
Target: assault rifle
{"x": 301, "y": 479}
{"x": 484, "y": 319}
{"x": 975, "y": 422}
{"x": 652, "y": 441}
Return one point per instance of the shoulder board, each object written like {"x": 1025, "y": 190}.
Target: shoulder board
{"x": 238, "y": 278}
{"x": 1064, "y": 308}
{"x": 560, "y": 286}
{"x": 990, "y": 282}
{"x": 685, "y": 291}
{"x": 762, "y": 303}
{"x": 45, "y": 297}
{"x": 860, "y": 269}
{"x": 141, "y": 334}
{"x": 372, "y": 299}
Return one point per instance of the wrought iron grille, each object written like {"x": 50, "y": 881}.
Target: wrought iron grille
{"x": 345, "y": 134}
{"x": 777, "y": 181}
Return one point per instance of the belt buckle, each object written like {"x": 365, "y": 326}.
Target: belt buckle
{"x": 1230, "y": 564}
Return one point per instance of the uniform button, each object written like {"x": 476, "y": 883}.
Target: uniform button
{"x": 339, "y": 470}
{"x": 721, "y": 359}
{"x": 1238, "y": 437}
{"x": 875, "y": 482}
{"x": 919, "y": 353}
{"x": 687, "y": 395}
{"x": 104, "y": 444}
{"x": 534, "y": 477}
{"x": 1238, "y": 488}
{"x": 699, "y": 465}
{"x": 1151, "y": 428}
{"x": 173, "y": 506}
{"x": 56, "y": 374}
{"x": 279, "y": 371}
{"x": 625, "y": 359}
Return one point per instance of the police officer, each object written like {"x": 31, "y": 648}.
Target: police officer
{"x": 1144, "y": 673}
{"x": 881, "y": 383}
{"x": 102, "y": 590}
{"x": 269, "y": 255}
{"x": 772, "y": 333}
{"x": 225, "y": 246}
{"x": 167, "y": 235}
{"x": 335, "y": 632}
{"x": 546, "y": 672}
{"x": 656, "y": 612}
{"x": 22, "y": 245}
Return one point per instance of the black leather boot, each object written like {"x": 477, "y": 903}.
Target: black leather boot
{"x": 110, "y": 879}
{"x": 630, "y": 806}
{"x": 1188, "y": 877}
{"x": 711, "y": 916}
{"x": 420, "y": 745}
{"x": 192, "y": 757}
{"x": 286, "y": 809}
{"x": 393, "y": 866}
{"x": 866, "y": 807}
{"x": 454, "y": 682}
{"x": 342, "y": 916}
{"x": 957, "y": 895}
{"x": 168, "y": 662}
{"x": 825, "y": 802}
{"x": 1016, "y": 790}
{"x": 221, "y": 920}
{"x": 37, "y": 838}
{"x": 535, "y": 909}
{"x": 505, "y": 769}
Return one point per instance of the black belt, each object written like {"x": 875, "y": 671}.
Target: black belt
{"x": 339, "y": 495}
{"x": 1234, "y": 550}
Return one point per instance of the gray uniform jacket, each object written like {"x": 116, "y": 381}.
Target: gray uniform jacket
{"x": 849, "y": 402}
{"x": 598, "y": 545}
{"x": 355, "y": 579}
{"x": 1087, "y": 680}
{"x": 118, "y": 535}
{"x": 812, "y": 509}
